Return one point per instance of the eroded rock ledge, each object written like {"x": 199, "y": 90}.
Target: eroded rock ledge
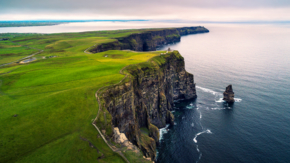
{"x": 144, "y": 100}
{"x": 148, "y": 40}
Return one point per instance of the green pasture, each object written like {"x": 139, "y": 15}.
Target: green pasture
{"x": 47, "y": 106}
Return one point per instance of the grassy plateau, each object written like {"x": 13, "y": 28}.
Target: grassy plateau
{"x": 47, "y": 106}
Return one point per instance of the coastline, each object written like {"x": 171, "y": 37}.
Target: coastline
{"x": 67, "y": 57}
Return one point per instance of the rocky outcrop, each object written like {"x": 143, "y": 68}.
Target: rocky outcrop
{"x": 148, "y": 40}
{"x": 191, "y": 30}
{"x": 229, "y": 95}
{"x": 146, "y": 99}
{"x": 122, "y": 139}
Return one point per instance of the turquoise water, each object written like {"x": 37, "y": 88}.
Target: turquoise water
{"x": 255, "y": 59}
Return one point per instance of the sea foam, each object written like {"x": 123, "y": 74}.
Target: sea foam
{"x": 208, "y": 90}
{"x": 217, "y": 94}
{"x": 163, "y": 131}
{"x": 206, "y": 131}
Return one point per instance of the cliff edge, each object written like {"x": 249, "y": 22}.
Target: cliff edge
{"x": 142, "y": 102}
{"x": 148, "y": 40}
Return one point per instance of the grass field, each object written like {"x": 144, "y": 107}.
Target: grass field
{"x": 47, "y": 106}
{"x": 11, "y": 52}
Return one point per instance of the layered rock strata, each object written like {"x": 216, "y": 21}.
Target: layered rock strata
{"x": 145, "y": 99}
{"x": 148, "y": 40}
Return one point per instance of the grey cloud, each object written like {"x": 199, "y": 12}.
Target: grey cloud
{"x": 167, "y": 9}
{"x": 123, "y": 5}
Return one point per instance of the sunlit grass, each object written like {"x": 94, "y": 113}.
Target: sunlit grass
{"x": 48, "y": 105}
{"x": 54, "y": 102}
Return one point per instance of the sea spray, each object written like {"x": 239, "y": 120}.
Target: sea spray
{"x": 163, "y": 131}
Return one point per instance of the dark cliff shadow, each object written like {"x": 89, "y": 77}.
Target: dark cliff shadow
{"x": 179, "y": 104}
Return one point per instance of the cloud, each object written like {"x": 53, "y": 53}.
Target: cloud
{"x": 149, "y": 9}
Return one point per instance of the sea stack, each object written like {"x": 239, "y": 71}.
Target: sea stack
{"x": 229, "y": 95}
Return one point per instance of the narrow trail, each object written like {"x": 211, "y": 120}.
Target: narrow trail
{"x": 86, "y": 51}
{"x": 100, "y": 108}
{"x": 39, "y": 51}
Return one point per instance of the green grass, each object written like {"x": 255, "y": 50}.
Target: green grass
{"x": 11, "y": 52}
{"x": 54, "y": 99}
{"x": 64, "y": 44}
{"x": 144, "y": 131}
{"x": 135, "y": 157}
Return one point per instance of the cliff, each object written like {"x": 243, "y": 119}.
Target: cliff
{"x": 148, "y": 40}
{"x": 145, "y": 98}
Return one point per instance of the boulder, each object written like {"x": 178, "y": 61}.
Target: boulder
{"x": 229, "y": 95}
{"x": 119, "y": 137}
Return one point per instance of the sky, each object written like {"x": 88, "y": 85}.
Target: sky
{"x": 193, "y": 10}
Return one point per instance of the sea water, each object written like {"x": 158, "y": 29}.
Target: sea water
{"x": 255, "y": 59}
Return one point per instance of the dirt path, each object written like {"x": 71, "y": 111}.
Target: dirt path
{"x": 100, "y": 108}
{"x": 86, "y": 51}
{"x": 39, "y": 51}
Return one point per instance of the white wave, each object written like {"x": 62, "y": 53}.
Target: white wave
{"x": 208, "y": 90}
{"x": 200, "y": 116}
{"x": 217, "y": 108}
{"x": 200, "y": 155}
{"x": 189, "y": 107}
{"x": 163, "y": 131}
{"x": 192, "y": 124}
{"x": 238, "y": 99}
{"x": 220, "y": 100}
{"x": 206, "y": 131}
{"x": 172, "y": 111}
{"x": 217, "y": 94}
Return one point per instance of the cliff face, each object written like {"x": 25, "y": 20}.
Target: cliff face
{"x": 146, "y": 99}
{"x": 191, "y": 30}
{"x": 148, "y": 40}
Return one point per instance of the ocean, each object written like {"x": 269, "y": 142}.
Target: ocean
{"x": 255, "y": 59}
